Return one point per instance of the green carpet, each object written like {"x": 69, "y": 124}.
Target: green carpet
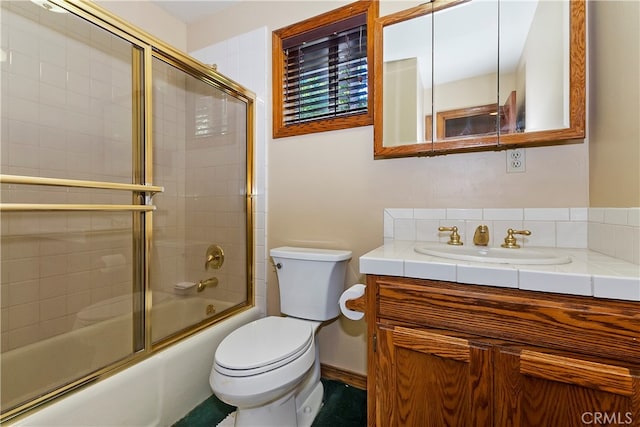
{"x": 344, "y": 406}
{"x": 208, "y": 413}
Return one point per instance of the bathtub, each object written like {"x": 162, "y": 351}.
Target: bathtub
{"x": 157, "y": 391}
{"x": 170, "y": 313}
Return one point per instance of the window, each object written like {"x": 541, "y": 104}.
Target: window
{"x": 321, "y": 73}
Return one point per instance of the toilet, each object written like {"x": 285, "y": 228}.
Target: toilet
{"x": 269, "y": 368}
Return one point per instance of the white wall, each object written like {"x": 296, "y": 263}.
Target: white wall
{"x": 150, "y": 18}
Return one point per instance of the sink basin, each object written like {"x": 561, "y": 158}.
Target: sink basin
{"x": 489, "y": 254}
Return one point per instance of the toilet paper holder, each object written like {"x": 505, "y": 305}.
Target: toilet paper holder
{"x": 358, "y": 304}
{"x": 353, "y": 302}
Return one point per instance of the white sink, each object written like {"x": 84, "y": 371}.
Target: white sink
{"x": 489, "y": 254}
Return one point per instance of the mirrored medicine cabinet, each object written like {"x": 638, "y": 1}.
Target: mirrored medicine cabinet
{"x": 457, "y": 76}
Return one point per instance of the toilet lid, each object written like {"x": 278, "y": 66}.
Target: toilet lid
{"x": 263, "y": 345}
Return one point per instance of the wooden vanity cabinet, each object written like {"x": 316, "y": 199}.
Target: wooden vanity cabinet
{"x": 432, "y": 378}
{"x": 538, "y": 387}
{"x": 445, "y": 354}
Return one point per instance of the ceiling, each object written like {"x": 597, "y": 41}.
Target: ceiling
{"x": 189, "y": 10}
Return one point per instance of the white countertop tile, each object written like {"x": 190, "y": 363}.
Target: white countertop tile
{"x": 387, "y": 267}
{"x": 552, "y": 281}
{"x": 430, "y": 270}
{"x": 479, "y": 274}
{"x": 590, "y": 273}
{"x": 616, "y": 287}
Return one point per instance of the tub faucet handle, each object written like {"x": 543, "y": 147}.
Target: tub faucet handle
{"x": 215, "y": 257}
{"x": 454, "y": 238}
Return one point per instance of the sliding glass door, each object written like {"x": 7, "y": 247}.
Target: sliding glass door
{"x": 125, "y": 198}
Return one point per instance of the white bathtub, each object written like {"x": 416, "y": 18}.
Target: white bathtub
{"x": 155, "y": 392}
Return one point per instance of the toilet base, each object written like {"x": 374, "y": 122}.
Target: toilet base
{"x": 283, "y": 412}
{"x": 309, "y": 409}
{"x": 279, "y": 413}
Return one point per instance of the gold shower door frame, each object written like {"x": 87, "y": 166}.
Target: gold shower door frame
{"x": 144, "y": 49}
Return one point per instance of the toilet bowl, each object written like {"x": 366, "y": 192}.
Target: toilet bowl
{"x": 262, "y": 380}
{"x": 269, "y": 369}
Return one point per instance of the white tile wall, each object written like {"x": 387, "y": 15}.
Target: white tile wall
{"x": 615, "y": 232}
{"x": 612, "y": 231}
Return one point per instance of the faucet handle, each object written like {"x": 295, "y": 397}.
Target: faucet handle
{"x": 454, "y": 238}
{"x": 510, "y": 240}
{"x": 215, "y": 257}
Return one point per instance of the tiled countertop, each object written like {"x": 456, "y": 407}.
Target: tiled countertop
{"x": 589, "y": 273}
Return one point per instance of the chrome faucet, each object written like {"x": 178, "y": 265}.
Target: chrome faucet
{"x": 481, "y": 236}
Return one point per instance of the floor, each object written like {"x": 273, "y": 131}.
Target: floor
{"x": 344, "y": 406}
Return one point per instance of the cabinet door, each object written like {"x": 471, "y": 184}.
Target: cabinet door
{"x": 432, "y": 378}
{"x": 538, "y": 388}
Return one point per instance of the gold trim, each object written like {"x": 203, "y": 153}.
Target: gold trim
{"x": 60, "y": 182}
{"x": 250, "y": 202}
{"x": 26, "y": 207}
{"x": 139, "y": 240}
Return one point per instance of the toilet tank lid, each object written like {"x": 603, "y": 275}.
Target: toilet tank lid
{"x": 313, "y": 254}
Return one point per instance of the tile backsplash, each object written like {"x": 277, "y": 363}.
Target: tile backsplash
{"x": 615, "y": 232}
{"x": 611, "y": 231}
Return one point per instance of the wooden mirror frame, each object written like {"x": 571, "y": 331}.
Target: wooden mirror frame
{"x": 575, "y": 133}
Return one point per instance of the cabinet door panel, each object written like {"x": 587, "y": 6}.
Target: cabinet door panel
{"x": 434, "y": 379}
{"x": 599, "y": 376}
{"x": 539, "y": 389}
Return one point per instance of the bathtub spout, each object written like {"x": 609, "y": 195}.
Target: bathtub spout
{"x": 203, "y": 284}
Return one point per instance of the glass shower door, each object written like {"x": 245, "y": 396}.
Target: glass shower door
{"x": 200, "y": 158}
{"x": 72, "y": 286}
{"x": 125, "y": 198}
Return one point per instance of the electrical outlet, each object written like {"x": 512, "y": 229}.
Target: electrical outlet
{"x": 515, "y": 160}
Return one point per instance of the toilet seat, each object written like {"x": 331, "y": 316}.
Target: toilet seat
{"x": 263, "y": 345}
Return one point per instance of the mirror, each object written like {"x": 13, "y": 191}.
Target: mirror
{"x": 407, "y": 80}
{"x": 479, "y": 75}
{"x": 465, "y": 84}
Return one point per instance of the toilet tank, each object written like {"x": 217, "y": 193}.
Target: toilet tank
{"x": 310, "y": 280}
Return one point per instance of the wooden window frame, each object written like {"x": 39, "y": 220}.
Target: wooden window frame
{"x": 370, "y": 7}
{"x": 505, "y": 123}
